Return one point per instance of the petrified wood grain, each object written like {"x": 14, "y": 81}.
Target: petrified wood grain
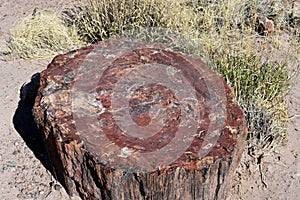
{"x": 123, "y": 119}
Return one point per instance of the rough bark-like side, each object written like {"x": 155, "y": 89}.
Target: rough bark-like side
{"x": 77, "y": 156}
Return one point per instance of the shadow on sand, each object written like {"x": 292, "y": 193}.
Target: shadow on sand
{"x": 23, "y": 121}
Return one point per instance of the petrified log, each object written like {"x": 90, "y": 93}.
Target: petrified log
{"x": 123, "y": 119}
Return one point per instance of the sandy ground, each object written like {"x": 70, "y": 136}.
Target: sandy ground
{"x": 24, "y": 177}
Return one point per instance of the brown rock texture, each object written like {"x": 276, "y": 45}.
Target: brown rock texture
{"x": 264, "y": 26}
{"x": 123, "y": 119}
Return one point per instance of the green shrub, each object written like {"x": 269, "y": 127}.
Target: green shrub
{"x": 260, "y": 89}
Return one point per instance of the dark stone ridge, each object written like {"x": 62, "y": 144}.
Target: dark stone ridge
{"x": 123, "y": 119}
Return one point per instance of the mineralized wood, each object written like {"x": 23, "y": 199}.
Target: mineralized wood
{"x": 123, "y": 119}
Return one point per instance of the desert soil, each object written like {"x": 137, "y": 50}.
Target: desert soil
{"x": 24, "y": 177}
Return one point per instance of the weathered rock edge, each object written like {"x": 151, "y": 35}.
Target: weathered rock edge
{"x": 81, "y": 172}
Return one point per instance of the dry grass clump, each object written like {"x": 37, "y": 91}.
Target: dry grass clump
{"x": 98, "y": 20}
{"x": 228, "y": 28}
{"x": 42, "y": 35}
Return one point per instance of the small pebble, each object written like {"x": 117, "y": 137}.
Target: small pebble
{"x": 57, "y": 187}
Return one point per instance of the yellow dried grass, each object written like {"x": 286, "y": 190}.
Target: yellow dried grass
{"x": 42, "y": 35}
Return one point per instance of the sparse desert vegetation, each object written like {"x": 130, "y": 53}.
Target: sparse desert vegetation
{"x": 225, "y": 34}
{"x": 228, "y": 35}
